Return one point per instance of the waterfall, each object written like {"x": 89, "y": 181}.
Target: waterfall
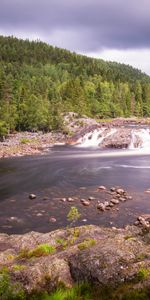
{"x": 118, "y": 138}
{"x": 95, "y": 138}
{"x": 140, "y": 138}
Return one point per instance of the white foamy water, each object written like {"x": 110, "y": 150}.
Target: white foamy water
{"x": 140, "y": 140}
{"x": 134, "y": 167}
{"x": 144, "y": 137}
{"x": 95, "y": 138}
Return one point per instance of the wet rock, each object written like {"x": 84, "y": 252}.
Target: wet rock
{"x": 129, "y": 197}
{"x": 32, "y": 196}
{"x": 136, "y": 223}
{"x": 63, "y": 199}
{"x": 111, "y": 204}
{"x": 84, "y": 220}
{"x": 107, "y": 208}
{"x": 106, "y": 203}
{"x": 70, "y": 199}
{"x": 101, "y": 206}
{"x": 112, "y": 189}
{"x": 120, "y": 139}
{"x": 147, "y": 191}
{"x": 120, "y": 191}
{"x": 39, "y": 215}
{"x": 114, "y": 201}
{"x": 144, "y": 223}
{"x": 91, "y": 198}
{"x": 102, "y": 188}
{"x": 85, "y": 202}
{"x": 45, "y": 198}
{"x": 52, "y": 220}
{"x": 122, "y": 199}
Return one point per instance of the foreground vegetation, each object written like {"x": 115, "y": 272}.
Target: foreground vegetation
{"x": 83, "y": 291}
{"x": 39, "y": 82}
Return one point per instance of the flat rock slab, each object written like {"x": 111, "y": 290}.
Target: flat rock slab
{"x": 88, "y": 253}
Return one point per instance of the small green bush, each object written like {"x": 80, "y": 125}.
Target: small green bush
{"x": 41, "y": 250}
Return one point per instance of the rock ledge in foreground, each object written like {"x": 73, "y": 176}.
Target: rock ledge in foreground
{"x": 39, "y": 262}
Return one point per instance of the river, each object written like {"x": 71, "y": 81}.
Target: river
{"x": 71, "y": 172}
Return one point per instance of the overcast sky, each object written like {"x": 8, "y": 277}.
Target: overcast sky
{"x": 116, "y": 30}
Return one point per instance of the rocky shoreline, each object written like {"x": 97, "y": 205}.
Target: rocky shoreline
{"x": 29, "y": 143}
{"x": 33, "y": 143}
{"x": 36, "y": 262}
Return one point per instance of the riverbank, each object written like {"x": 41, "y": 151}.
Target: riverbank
{"x": 38, "y": 263}
{"x": 32, "y": 143}
{"x": 29, "y": 143}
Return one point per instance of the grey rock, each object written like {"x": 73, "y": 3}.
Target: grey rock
{"x": 122, "y": 199}
{"x": 120, "y": 191}
{"x": 85, "y": 202}
{"x": 114, "y": 201}
{"x": 111, "y": 260}
{"x": 70, "y": 199}
{"x": 102, "y": 188}
{"x": 52, "y": 220}
{"x": 101, "y": 207}
{"x": 32, "y": 196}
{"x": 91, "y": 198}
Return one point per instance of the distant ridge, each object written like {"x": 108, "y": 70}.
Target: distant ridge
{"x": 38, "y": 82}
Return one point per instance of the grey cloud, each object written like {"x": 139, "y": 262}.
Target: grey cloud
{"x": 85, "y": 25}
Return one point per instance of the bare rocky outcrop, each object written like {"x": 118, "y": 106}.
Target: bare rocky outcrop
{"x": 89, "y": 253}
{"x": 120, "y": 139}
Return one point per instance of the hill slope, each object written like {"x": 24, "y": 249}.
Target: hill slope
{"x": 38, "y": 82}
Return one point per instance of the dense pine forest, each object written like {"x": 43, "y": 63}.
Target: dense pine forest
{"x": 39, "y": 82}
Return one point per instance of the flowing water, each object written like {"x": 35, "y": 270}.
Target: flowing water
{"x": 69, "y": 171}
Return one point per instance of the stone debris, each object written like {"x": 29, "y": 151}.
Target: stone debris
{"x": 143, "y": 221}
{"x": 91, "y": 198}
{"x": 102, "y": 188}
{"x": 70, "y": 199}
{"x": 114, "y": 201}
{"x": 32, "y": 196}
{"x": 52, "y": 219}
{"x": 85, "y": 202}
{"x": 118, "y": 195}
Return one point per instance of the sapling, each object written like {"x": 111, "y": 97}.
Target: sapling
{"x": 73, "y": 215}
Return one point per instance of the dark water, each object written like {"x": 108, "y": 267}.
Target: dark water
{"x": 63, "y": 173}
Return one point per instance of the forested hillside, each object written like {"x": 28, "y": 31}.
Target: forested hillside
{"x": 38, "y": 82}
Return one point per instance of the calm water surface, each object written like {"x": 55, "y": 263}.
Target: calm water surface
{"x": 70, "y": 172}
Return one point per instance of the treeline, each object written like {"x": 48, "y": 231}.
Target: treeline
{"x": 39, "y": 82}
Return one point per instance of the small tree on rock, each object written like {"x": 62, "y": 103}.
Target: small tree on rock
{"x": 73, "y": 215}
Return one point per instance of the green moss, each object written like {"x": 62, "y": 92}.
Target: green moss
{"x": 87, "y": 244}
{"x": 142, "y": 256}
{"x": 62, "y": 243}
{"x": 8, "y": 290}
{"x": 78, "y": 292}
{"x": 25, "y": 141}
{"x": 18, "y": 267}
{"x": 143, "y": 274}
{"x": 128, "y": 237}
{"x": 41, "y": 250}
{"x": 86, "y": 291}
